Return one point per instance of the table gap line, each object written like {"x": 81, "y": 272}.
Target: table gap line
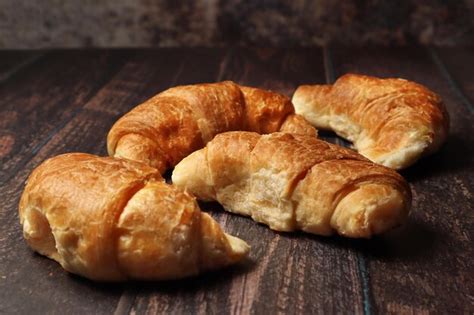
{"x": 35, "y": 150}
{"x": 128, "y": 297}
{"x": 224, "y": 64}
{"x": 361, "y": 259}
{"x": 126, "y": 302}
{"x": 446, "y": 74}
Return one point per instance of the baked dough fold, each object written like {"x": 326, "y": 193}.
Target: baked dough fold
{"x": 296, "y": 182}
{"x": 110, "y": 219}
{"x": 393, "y": 122}
{"x": 171, "y": 125}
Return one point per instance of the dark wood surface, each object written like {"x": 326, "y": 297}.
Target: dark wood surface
{"x": 62, "y": 101}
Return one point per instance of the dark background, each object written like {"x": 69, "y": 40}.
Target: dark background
{"x": 164, "y": 23}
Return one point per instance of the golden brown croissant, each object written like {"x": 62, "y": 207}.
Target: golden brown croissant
{"x": 180, "y": 120}
{"x": 296, "y": 182}
{"x": 110, "y": 219}
{"x": 392, "y": 122}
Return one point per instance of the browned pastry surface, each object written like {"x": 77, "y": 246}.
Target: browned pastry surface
{"x": 180, "y": 120}
{"x": 292, "y": 181}
{"x": 111, "y": 219}
{"x": 393, "y": 122}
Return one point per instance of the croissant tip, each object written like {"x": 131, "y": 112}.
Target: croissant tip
{"x": 240, "y": 248}
{"x": 371, "y": 209}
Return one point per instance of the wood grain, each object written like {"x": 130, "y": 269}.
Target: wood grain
{"x": 425, "y": 266}
{"x": 35, "y": 104}
{"x": 67, "y": 101}
{"x": 287, "y": 273}
{"x": 25, "y": 276}
{"x": 457, "y": 63}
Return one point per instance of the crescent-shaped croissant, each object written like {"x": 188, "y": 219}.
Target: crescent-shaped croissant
{"x": 180, "y": 120}
{"x": 110, "y": 219}
{"x": 296, "y": 182}
{"x": 392, "y": 122}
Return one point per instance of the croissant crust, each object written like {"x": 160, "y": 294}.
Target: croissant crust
{"x": 296, "y": 182}
{"x": 182, "y": 119}
{"x": 393, "y": 122}
{"x": 110, "y": 219}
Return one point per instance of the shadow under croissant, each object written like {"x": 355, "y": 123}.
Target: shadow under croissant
{"x": 413, "y": 240}
{"x": 410, "y": 242}
{"x": 332, "y": 137}
{"x": 454, "y": 156}
{"x": 204, "y": 280}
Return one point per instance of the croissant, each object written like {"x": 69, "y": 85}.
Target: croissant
{"x": 392, "y": 122}
{"x": 180, "y": 120}
{"x": 296, "y": 182}
{"x": 110, "y": 219}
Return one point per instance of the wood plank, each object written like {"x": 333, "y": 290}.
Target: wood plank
{"x": 284, "y": 70}
{"x": 40, "y": 281}
{"x": 361, "y": 258}
{"x": 287, "y": 272}
{"x": 35, "y": 104}
{"x": 58, "y": 85}
{"x": 459, "y": 65}
{"x": 426, "y": 265}
{"x": 275, "y": 69}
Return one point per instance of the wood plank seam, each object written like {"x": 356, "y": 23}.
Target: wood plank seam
{"x": 225, "y": 63}
{"x": 422, "y": 267}
{"x": 363, "y": 271}
{"x": 365, "y": 279}
{"x": 22, "y": 66}
{"x": 125, "y": 303}
{"x": 458, "y": 91}
{"x": 55, "y": 130}
{"x": 42, "y": 143}
{"x": 128, "y": 298}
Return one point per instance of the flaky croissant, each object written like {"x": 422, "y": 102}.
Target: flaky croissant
{"x": 296, "y": 182}
{"x": 392, "y": 122}
{"x": 110, "y": 219}
{"x": 180, "y": 120}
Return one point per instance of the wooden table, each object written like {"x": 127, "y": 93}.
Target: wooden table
{"x": 53, "y": 102}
